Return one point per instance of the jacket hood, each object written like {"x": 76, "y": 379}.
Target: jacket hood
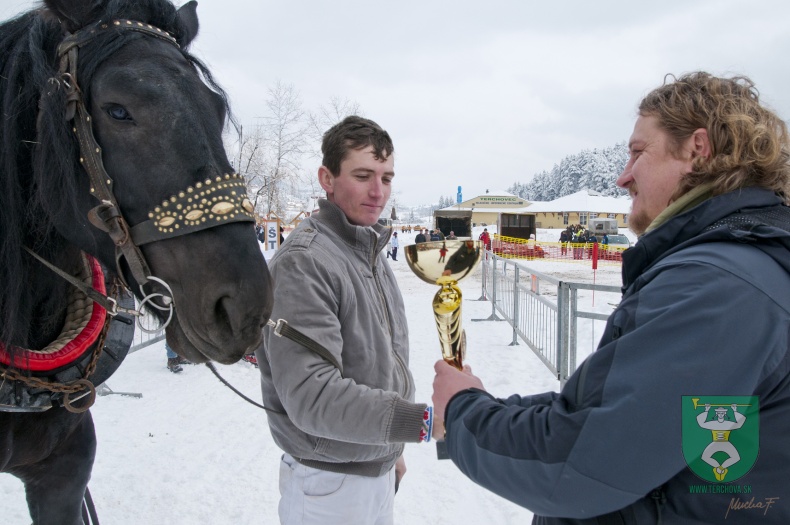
{"x": 750, "y": 215}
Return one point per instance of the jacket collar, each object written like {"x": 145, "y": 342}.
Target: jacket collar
{"x": 693, "y": 226}
{"x": 366, "y": 238}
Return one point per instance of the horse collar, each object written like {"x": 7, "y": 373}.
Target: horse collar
{"x": 60, "y": 371}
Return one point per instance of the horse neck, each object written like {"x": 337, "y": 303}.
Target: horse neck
{"x": 48, "y": 296}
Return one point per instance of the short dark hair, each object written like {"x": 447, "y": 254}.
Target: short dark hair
{"x": 354, "y": 133}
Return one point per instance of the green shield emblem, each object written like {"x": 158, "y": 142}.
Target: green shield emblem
{"x": 721, "y": 436}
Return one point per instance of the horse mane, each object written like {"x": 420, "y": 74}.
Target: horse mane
{"x": 39, "y": 166}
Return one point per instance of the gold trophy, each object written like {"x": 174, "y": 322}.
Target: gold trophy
{"x": 445, "y": 263}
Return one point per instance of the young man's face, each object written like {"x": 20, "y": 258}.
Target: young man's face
{"x": 363, "y": 186}
{"x": 652, "y": 173}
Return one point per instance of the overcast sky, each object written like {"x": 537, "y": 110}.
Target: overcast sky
{"x": 485, "y": 93}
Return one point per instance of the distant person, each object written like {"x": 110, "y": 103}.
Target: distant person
{"x": 486, "y": 238}
{"x": 576, "y": 244}
{"x": 442, "y": 252}
{"x": 394, "y": 243}
{"x": 564, "y": 242}
{"x": 435, "y": 236}
{"x": 260, "y": 233}
{"x": 705, "y": 312}
{"x": 592, "y": 240}
{"x": 174, "y": 361}
{"x": 420, "y": 237}
{"x": 344, "y": 413}
{"x": 452, "y": 236}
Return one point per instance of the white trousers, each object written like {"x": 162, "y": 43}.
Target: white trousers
{"x": 310, "y": 496}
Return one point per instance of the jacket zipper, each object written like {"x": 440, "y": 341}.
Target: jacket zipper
{"x": 382, "y": 298}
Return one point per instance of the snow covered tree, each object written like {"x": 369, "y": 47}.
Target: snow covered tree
{"x": 589, "y": 169}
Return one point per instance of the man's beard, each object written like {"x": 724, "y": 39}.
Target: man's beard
{"x": 638, "y": 222}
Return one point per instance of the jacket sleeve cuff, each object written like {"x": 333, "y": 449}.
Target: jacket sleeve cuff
{"x": 473, "y": 393}
{"x": 407, "y": 421}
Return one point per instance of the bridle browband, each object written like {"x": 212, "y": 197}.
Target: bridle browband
{"x": 206, "y": 204}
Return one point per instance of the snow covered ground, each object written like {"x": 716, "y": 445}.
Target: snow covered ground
{"x": 191, "y": 452}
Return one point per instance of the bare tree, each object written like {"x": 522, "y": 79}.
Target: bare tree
{"x": 327, "y": 116}
{"x": 270, "y": 157}
{"x": 253, "y": 165}
{"x": 318, "y": 122}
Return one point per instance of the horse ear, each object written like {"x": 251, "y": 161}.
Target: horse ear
{"x": 75, "y": 14}
{"x": 187, "y": 14}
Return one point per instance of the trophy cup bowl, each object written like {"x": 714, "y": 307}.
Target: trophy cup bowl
{"x": 444, "y": 263}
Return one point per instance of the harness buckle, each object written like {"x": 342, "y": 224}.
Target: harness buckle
{"x": 278, "y": 326}
{"x": 113, "y": 310}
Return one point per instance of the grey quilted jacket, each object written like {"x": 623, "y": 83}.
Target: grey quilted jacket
{"x": 331, "y": 284}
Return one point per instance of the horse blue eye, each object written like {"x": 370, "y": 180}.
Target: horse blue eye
{"x": 119, "y": 113}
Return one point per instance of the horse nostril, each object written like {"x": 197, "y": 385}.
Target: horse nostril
{"x": 221, "y": 314}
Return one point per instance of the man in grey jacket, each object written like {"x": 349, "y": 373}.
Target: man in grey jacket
{"x": 342, "y": 418}
{"x": 704, "y": 321}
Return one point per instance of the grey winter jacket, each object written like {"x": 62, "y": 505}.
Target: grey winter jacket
{"x": 705, "y": 312}
{"x": 331, "y": 284}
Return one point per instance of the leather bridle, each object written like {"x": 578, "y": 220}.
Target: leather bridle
{"x": 207, "y": 204}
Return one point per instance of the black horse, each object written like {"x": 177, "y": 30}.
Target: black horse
{"x": 112, "y": 171}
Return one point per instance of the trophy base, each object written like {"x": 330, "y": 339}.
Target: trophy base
{"x": 441, "y": 450}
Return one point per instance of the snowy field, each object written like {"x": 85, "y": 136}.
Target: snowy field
{"x": 192, "y": 452}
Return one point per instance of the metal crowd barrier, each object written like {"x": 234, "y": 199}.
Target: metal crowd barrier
{"x": 141, "y": 339}
{"x": 548, "y": 325}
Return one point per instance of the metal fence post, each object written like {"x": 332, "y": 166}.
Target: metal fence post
{"x": 493, "y": 295}
{"x": 515, "y": 307}
{"x": 573, "y": 342}
{"x": 493, "y": 288}
{"x": 562, "y": 331}
{"x": 484, "y": 267}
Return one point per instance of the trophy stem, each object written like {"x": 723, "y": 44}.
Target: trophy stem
{"x": 447, "y": 313}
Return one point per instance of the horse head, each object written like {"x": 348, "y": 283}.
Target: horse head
{"x": 157, "y": 118}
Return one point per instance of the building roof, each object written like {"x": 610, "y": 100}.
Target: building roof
{"x": 588, "y": 201}
{"x": 583, "y": 201}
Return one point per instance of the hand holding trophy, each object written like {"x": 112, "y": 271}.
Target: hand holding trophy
{"x": 445, "y": 263}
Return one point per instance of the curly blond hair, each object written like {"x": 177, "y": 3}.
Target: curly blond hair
{"x": 749, "y": 143}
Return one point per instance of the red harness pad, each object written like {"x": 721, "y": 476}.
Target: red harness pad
{"x": 43, "y": 361}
